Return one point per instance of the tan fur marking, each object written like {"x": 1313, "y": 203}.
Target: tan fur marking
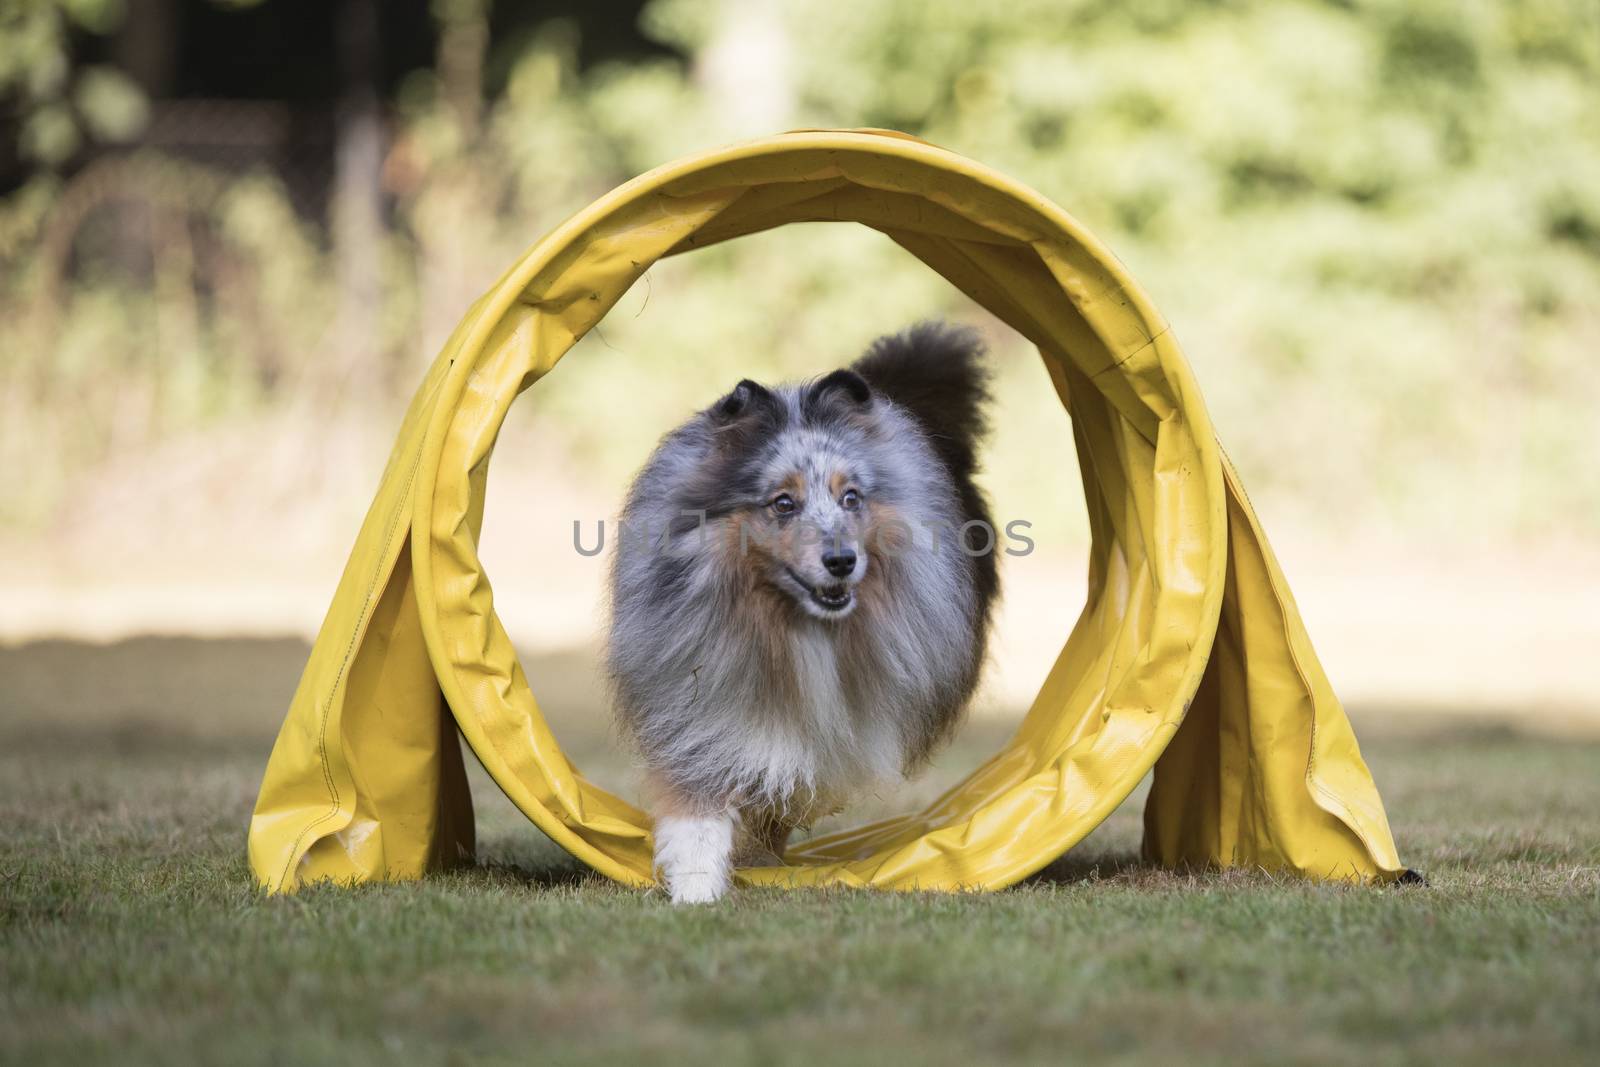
{"x": 761, "y": 610}
{"x": 888, "y": 532}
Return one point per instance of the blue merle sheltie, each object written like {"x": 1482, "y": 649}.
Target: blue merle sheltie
{"x": 800, "y": 598}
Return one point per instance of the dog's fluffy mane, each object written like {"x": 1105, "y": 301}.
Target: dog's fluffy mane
{"x": 733, "y": 696}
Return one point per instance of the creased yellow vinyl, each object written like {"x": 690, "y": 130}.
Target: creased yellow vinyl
{"x": 1189, "y": 656}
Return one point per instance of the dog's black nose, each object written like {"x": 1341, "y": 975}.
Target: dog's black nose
{"x": 839, "y": 563}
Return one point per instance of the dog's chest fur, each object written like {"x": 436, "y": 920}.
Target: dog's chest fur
{"x": 801, "y": 745}
{"x": 849, "y": 744}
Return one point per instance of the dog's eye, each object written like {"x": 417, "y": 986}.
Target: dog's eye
{"x": 783, "y": 504}
{"x": 851, "y": 501}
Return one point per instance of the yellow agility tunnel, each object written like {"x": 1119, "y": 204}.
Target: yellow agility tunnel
{"x": 1189, "y": 656}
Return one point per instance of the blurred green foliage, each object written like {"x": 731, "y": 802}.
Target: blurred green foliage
{"x": 60, "y": 105}
{"x": 1375, "y": 225}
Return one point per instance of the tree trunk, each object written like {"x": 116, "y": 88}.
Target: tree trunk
{"x": 358, "y": 207}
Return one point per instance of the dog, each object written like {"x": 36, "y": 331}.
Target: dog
{"x": 800, "y": 599}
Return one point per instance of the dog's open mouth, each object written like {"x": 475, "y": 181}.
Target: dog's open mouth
{"x": 835, "y": 597}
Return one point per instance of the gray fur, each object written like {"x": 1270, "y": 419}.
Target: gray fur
{"x": 738, "y": 689}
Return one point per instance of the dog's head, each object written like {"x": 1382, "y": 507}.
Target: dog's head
{"x": 803, "y": 492}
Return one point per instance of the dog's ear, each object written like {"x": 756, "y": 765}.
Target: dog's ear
{"x": 843, "y": 390}
{"x": 748, "y": 399}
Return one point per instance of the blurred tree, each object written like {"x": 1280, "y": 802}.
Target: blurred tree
{"x": 1371, "y": 220}
{"x": 55, "y": 106}
{"x": 358, "y": 195}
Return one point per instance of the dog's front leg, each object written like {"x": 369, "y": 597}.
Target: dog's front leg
{"x": 766, "y": 832}
{"x": 694, "y": 855}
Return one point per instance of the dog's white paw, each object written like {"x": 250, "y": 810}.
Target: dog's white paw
{"x": 693, "y": 856}
{"x": 698, "y": 887}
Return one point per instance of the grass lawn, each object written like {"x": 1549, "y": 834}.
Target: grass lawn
{"x": 130, "y": 930}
